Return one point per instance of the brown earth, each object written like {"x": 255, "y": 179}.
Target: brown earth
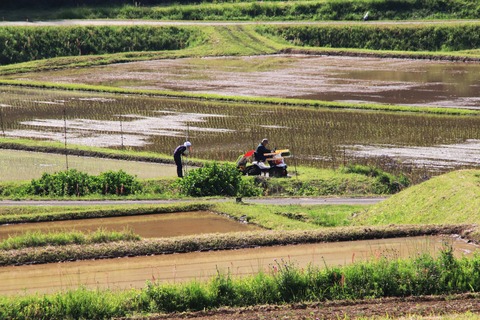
{"x": 386, "y": 307}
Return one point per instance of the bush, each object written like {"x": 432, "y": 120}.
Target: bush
{"x": 216, "y": 179}
{"x": 116, "y": 182}
{"x": 388, "y": 183}
{"x": 77, "y": 183}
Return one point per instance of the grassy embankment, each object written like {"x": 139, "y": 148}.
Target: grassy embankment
{"x": 246, "y": 10}
{"x": 449, "y": 198}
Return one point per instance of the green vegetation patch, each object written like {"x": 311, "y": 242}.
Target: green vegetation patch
{"x": 246, "y": 10}
{"x": 33, "y": 43}
{"x": 292, "y": 217}
{"x": 402, "y": 37}
{"x": 450, "y": 198}
{"x": 39, "y": 239}
{"x": 285, "y": 283}
{"x": 20, "y": 214}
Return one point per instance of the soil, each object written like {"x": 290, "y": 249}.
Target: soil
{"x": 430, "y": 306}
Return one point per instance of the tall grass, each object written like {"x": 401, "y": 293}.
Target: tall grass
{"x": 284, "y": 283}
{"x": 40, "y": 239}
{"x": 408, "y": 37}
{"x": 251, "y": 10}
{"x": 21, "y": 44}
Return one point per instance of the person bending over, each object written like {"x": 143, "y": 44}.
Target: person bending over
{"x": 180, "y": 151}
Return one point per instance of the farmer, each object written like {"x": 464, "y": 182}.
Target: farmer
{"x": 181, "y": 150}
{"x": 261, "y": 150}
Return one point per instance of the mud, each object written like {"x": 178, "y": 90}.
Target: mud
{"x": 18, "y": 165}
{"x": 125, "y": 273}
{"x": 430, "y": 307}
{"x": 331, "y": 78}
{"x": 147, "y": 226}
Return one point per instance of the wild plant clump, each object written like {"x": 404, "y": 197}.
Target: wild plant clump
{"x": 216, "y": 179}
{"x": 76, "y": 183}
{"x": 387, "y": 182}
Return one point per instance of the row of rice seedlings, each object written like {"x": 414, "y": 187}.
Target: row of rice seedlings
{"x": 40, "y": 239}
{"x": 318, "y": 136}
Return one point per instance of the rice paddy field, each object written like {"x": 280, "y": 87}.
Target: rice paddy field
{"x": 16, "y": 165}
{"x": 223, "y": 131}
{"x": 400, "y": 95}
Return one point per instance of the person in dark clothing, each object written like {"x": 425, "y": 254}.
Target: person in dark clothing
{"x": 181, "y": 150}
{"x": 261, "y": 151}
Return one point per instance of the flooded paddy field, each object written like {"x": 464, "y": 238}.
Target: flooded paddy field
{"x": 18, "y": 165}
{"x": 222, "y": 131}
{"x": 124, "y": 273}
{"x": 146, "y": 226}
{"x": 330, "y": 78}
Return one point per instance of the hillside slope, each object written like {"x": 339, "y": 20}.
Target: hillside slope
{"x": 450, "y": 198}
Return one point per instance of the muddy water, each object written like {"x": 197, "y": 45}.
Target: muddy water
{"x": 134, "y": 272}
{"x": 391, "y": 81}
{"x": 147, "y": 226}
{"x": 23, "y": 165}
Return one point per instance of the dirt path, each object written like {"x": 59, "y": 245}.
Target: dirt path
{"x": 106, "y": 22}
{"x": 429, "y": 306}
{"x": 268, "y": 201}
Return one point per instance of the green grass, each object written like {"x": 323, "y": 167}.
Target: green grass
{"x": 418, "y": 276}
{"x": 39, "y": 239}
{"x": 292, "y": 217}
{"x": 252, "y": 10}
{"x": 23, "y": 214}
{"x": 450, "y": 198}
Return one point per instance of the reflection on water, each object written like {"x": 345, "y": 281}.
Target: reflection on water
{"x": 223, "y": 131}
{"x": 146, "y": 226}
{"x": 331, "y": 78}
{"x": 441, "y": 156}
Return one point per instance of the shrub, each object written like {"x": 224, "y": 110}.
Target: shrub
{"x": 77, "y": 183}
{"x": 216, "y": 179}
{"x": 117, "y": 182}
{"x": 388, "y": 183}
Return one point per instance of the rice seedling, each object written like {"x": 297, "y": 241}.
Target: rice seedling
{"x": 222, "y": 131}
{"x": 40, "y": 239}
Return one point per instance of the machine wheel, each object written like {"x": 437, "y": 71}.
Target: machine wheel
{"x": 253, "y": 171}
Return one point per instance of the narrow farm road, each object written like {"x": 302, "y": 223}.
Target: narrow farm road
{"x": 115, "y": 22}
{"x": 268, "y": 201}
